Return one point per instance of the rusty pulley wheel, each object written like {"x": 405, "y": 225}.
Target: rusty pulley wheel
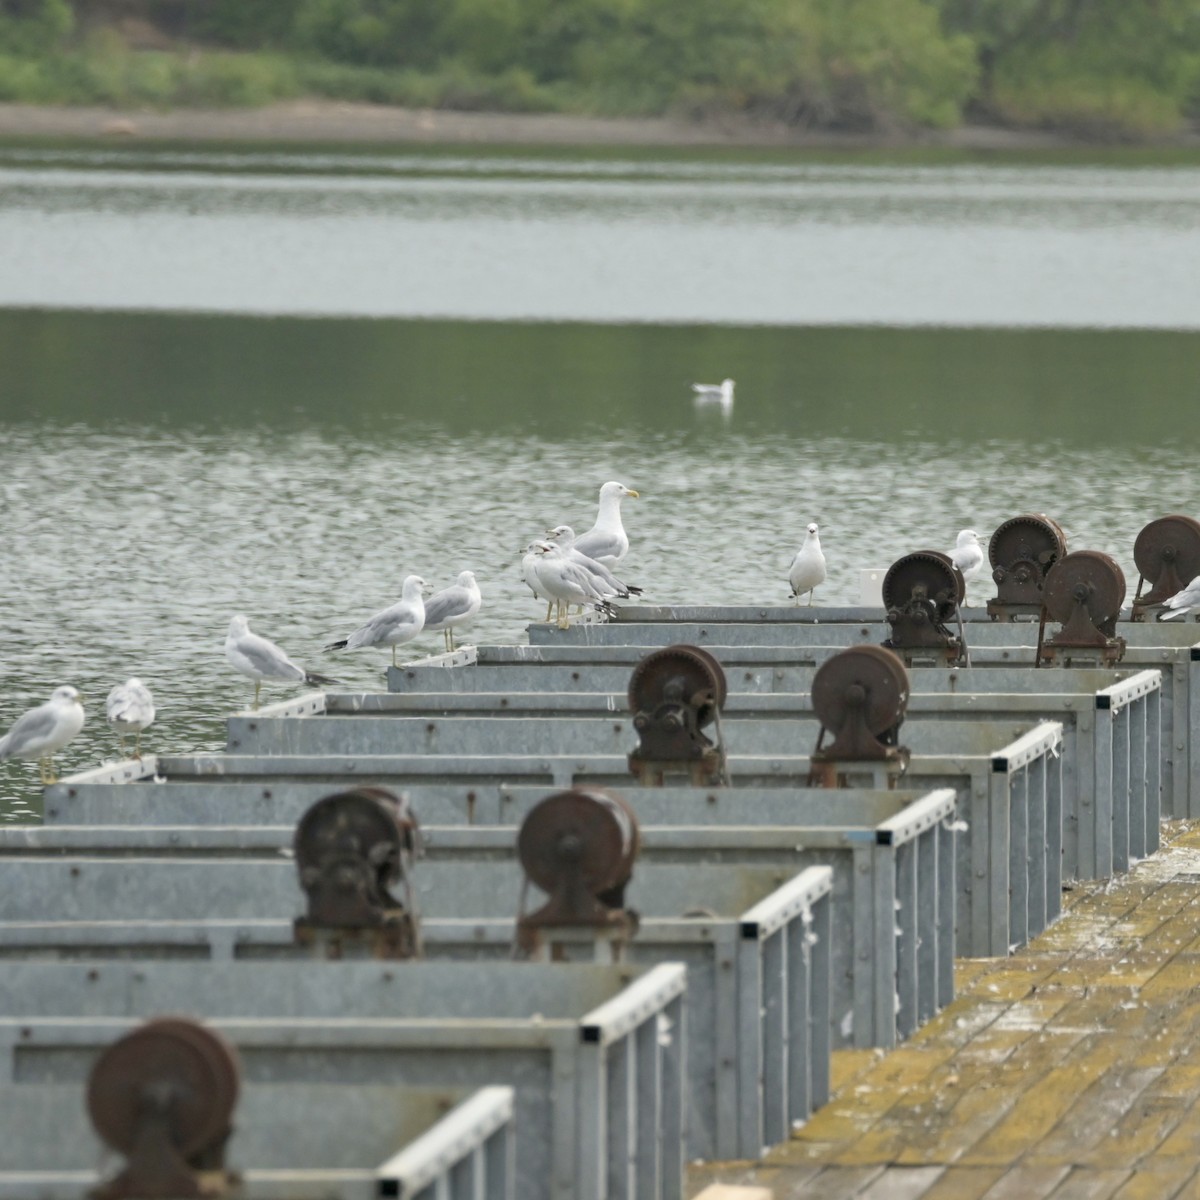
{"x": 870, "y": 678}
{"x": 174, "y": 1062}
{"x": 1169, "y": 543}
{"x": 684, "y": 674}
{"x": 368, "y": 823}
{"x": 1089, "y": 578}
{"x": 925, "y": 572}
{"x": 590, "y": 834}
{"x": 1032, "y": 542}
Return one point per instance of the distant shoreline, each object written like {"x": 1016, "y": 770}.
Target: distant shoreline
{"x": 336, "y": 122}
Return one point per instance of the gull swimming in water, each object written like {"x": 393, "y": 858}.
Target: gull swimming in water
{"x": 607, "y": 541}
{"x": 565, "y": 582}
{"x": 41, "y": 731}
{"x": 261, "y": 660}
{"x": 453, "y": 606}
{"x": 130, "y": 709}
{"x": 967, "y": 554}
{"x": 1182, "y": 602}
{"x": 563, "y": 536}
{"x": 715, "y": 393}
{"x": 393, "y": 626}
{"x": 808, "y": 567}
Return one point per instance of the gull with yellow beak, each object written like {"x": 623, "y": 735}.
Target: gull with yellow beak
{"x": 41, "y": 731}
{"x": 607, "y": 541}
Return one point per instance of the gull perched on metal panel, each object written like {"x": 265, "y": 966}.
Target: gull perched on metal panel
{"x": 607, "y": 541}
{"x": 452, "y": 607}
{"x": 261, "y": 660}
{"x": 1182, "y": 602}
{"x": 808, "y": 567}
{"x": 967, "y": 554}
{"x": 394, "y": 626}
{"x": 130, "y": 709}
{"x": 41, "y": 731}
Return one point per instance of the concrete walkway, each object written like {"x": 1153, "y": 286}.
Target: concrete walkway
{"x": 1069, "y": 1071}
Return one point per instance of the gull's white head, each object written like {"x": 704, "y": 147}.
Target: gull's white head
{"x": 545, "y": 548}
{"x": 562, "y": 534}
{"x": 966, "y": 537}
{"x": 618, "y": 491}
{"x": 413, "y": 586}
{"x": 466, "y": 579}
{"x": 812, "y": 529}
{"x": 65, "y": 695}
{"x": 238, "y": 625}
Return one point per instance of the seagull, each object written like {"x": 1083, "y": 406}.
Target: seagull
{"x": 529, "y": 572}
{"x": 715, "y": 393}
{"x": 967, "y": 554}
{"x": 1182, "y": 602}
{"x": 607, "y": 541}
{"x": 563, "y": 536}
{"x": 453, "y": 606}
{"x": 565, "y": 582}
{"x": 393, "y": 626}
{"x": 808, "y": 567}
{"x": 41, "y": 731}
{"x": 262, "y": 660}
{"x": 130, "y": 709}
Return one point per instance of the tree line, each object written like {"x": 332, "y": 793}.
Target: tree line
{"x": 1109, "y": 69}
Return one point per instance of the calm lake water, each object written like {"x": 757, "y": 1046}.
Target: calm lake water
{"x": 278, "y": 383}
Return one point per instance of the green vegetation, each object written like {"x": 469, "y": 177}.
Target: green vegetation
{"x": 1109, "y": 69}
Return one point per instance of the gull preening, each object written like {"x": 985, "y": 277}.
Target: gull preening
{"x": 42, "y": 731}
{"x": 130, "y": 709}
{"x": 808, "y": 567}
{"x": 1182, "y": 602}
{"x": 607, "y": 541}
{"x": 565, "y": 582}
{"x": 715, "y": 393}
{"x": 456, "y": 605}
{"x": 394, "y": 626}
{"x": 563, "y": 536}
{"x": 967, "y": 554}
{"x": 261, "y": 660}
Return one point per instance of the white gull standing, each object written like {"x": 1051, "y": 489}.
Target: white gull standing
{"x": 260, "y": 659}
{"x": 967, "y": 554}
{"x": 452, "y": 607}
{"x": 130, "y": 709}
{"x": 394, "y": 626}
{"x": 1182, "y": 602}
{"x": 41, "y": 731}
{"x": 563, "y": 536}
{"x": 607, "y": 541}
{"x": 564, "y": 581}
{"x": 808, "y": 567}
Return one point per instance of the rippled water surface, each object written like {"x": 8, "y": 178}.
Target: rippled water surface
{"x": 160, "y": 470}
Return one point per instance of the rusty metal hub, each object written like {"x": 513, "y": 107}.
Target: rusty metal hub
{"x": 674, "y": 694}
{"x": 921, "y": 594}
{"x": 1022, "y": 551}
{"x": 1084, "y": 592}
{"x": 860, "y": 697}
{"x": 351, "y": 849}
{"x": 1167, "y": 555}
{"x": 163, "y": 1096}
{"x": 579, "y": 848}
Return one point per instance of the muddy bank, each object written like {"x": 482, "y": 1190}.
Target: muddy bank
{"x": 332, "y": 121}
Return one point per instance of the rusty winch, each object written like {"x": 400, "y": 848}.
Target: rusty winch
{"x": 921, "y": 595}
{"x": 579, "y": 848}
{"x": 1083, "y": 592}
{"x": 676, "y": 693}
{"x": 1022, "y": 551}
{"x": 163, "y": 1096}
{"x": 351, "y": 849}
{"x": 1167, "y": 555}
{"x": 860, "y": 697}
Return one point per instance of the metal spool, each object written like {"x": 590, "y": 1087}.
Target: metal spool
{"x": 860, "y": 697}
{"x": 1021, "y": 551}
{"x": 679, "y": 673}
{"x": 674, "y": 694}
{"x": 579, "y": 848}
{"x": 927, "y": 575}
{"x": 351, "y": 849}
{"x": 1084, "y": 592}
{"x": 163, "y": 1096}
{"x": 1167, "y": 555}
